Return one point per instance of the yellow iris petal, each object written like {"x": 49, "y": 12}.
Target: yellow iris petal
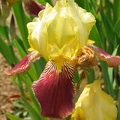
{"x": 78, "y": 114}
{"x": 96, "y": 104}
{"x": 90, "y": 42}
{"x": 33, "y": 31}
{"x": 58, "y": 29}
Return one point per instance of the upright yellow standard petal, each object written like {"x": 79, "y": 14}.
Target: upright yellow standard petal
{"x": 96, "y": 104}
{"x": 60, "y": 31}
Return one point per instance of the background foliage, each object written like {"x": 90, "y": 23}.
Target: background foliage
{"x": 106, "y": 34}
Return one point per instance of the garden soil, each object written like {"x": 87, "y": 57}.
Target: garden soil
{"x": 7, "y": 90}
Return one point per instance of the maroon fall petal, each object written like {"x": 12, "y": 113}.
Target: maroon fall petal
{"x": 32, "y": 8}
{"x": 112, "y": 61}
{"x": 24, "y": 64}
{"x": 55, "y": 91}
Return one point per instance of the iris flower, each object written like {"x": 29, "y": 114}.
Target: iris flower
{"x": 60, "y": 35}
{"x": 94, "y": 104}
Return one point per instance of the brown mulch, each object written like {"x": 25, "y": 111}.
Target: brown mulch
{"x": 7, "y": 89}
